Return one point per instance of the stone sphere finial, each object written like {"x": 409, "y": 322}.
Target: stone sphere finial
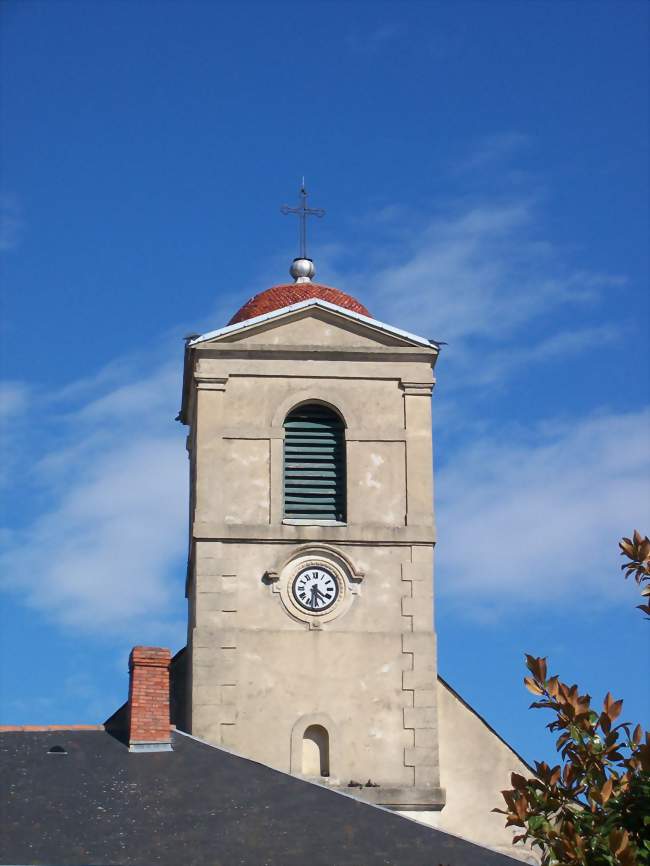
{"x": 302, "y": 270}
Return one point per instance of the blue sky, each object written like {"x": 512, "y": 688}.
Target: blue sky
{"x": 484, "y": 170}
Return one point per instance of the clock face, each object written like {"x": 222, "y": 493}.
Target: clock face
{"x": 315, "y": 589}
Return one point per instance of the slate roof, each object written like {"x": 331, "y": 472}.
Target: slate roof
{"x": 197, "y": 805}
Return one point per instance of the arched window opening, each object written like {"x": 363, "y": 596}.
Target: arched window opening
{"x": 314, "y": 464}
{"x": 316, "y": 751}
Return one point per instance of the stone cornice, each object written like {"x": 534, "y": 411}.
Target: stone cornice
{"x": 262, "y": 350}
{"x": 290, "y": 534}
{"x": 413, "y": 798}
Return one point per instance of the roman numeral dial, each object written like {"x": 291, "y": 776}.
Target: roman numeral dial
{"x": 315, "y": 589}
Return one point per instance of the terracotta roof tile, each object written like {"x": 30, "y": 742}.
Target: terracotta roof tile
{"x": 292, "y": 293}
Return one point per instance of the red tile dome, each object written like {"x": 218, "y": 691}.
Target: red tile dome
{"x": 285, "y": 295}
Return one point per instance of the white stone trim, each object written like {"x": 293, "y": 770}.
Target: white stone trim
{"x": 319, "y": 392}
{"x": 303, "y": 305}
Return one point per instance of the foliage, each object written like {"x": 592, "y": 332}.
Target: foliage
{"x": 637, "y": 551}
{"x": 592, "y": 809}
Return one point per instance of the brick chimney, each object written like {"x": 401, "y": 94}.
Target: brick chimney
{"x": 149, "y": 728}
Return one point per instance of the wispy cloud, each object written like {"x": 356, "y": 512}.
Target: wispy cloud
{"x": 12, "y": 222}
{"x": 494, "y": 149}
{"x": 372, "y": 40}
{"x": 483, "y": 278}
{"x": 102, "y": 556}
{"x": 78, "y": 696}
{"x": 109, "y": 548}
{"x": 483, "y": 272}
{"x": 536, "y": 514}
{"x": 14, "y": 401}
{"x": 14, "y": 398}
{"x": 498, "y": 364}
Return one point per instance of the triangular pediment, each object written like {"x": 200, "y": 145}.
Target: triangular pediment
{"x": 313, "y": 327}
{"x": 313, "y": 323}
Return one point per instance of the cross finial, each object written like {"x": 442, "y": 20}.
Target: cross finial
{"x": 302, "y": 268}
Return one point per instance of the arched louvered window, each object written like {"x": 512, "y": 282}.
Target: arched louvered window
{"x": 314, "y": 464}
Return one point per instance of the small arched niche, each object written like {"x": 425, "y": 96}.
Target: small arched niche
{"x": 315, "y": 751}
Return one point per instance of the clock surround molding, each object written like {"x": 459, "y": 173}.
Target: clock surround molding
{"x": 324, "y": 556}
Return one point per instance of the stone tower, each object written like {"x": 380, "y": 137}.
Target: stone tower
{"x": 311, "y": 643}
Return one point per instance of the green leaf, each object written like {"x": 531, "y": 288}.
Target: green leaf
{"x": 536, "y": 822}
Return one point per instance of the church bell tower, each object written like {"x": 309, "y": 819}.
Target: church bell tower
{"x": 311, "y": 643}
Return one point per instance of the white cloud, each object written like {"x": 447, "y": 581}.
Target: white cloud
{"x": 101, "y": 556}
{"x": 109, "y": 548}
{"x": 145, "y": 399}
{"x": 145, "y": 404}
{"x": 483, "y": 273}
{"x": 537, "y": 515}
{"x": 484, "y": 279}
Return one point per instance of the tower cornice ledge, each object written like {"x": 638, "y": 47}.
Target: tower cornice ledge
{"x": 288, "y": 533}
{"x": 415, "y": 798}
{"x": 263, "y": 350}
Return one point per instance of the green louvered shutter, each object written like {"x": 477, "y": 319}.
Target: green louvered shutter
{"x": 314, "y": 464}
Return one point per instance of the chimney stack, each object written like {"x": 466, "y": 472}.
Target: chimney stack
{"x": 149, "y": 727}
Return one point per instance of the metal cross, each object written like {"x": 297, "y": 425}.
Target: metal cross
{"x": 303, "y": 212}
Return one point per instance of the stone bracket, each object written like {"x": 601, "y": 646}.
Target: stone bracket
{"x": 210, "y": 383}
{"x": 417, "y": 389}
